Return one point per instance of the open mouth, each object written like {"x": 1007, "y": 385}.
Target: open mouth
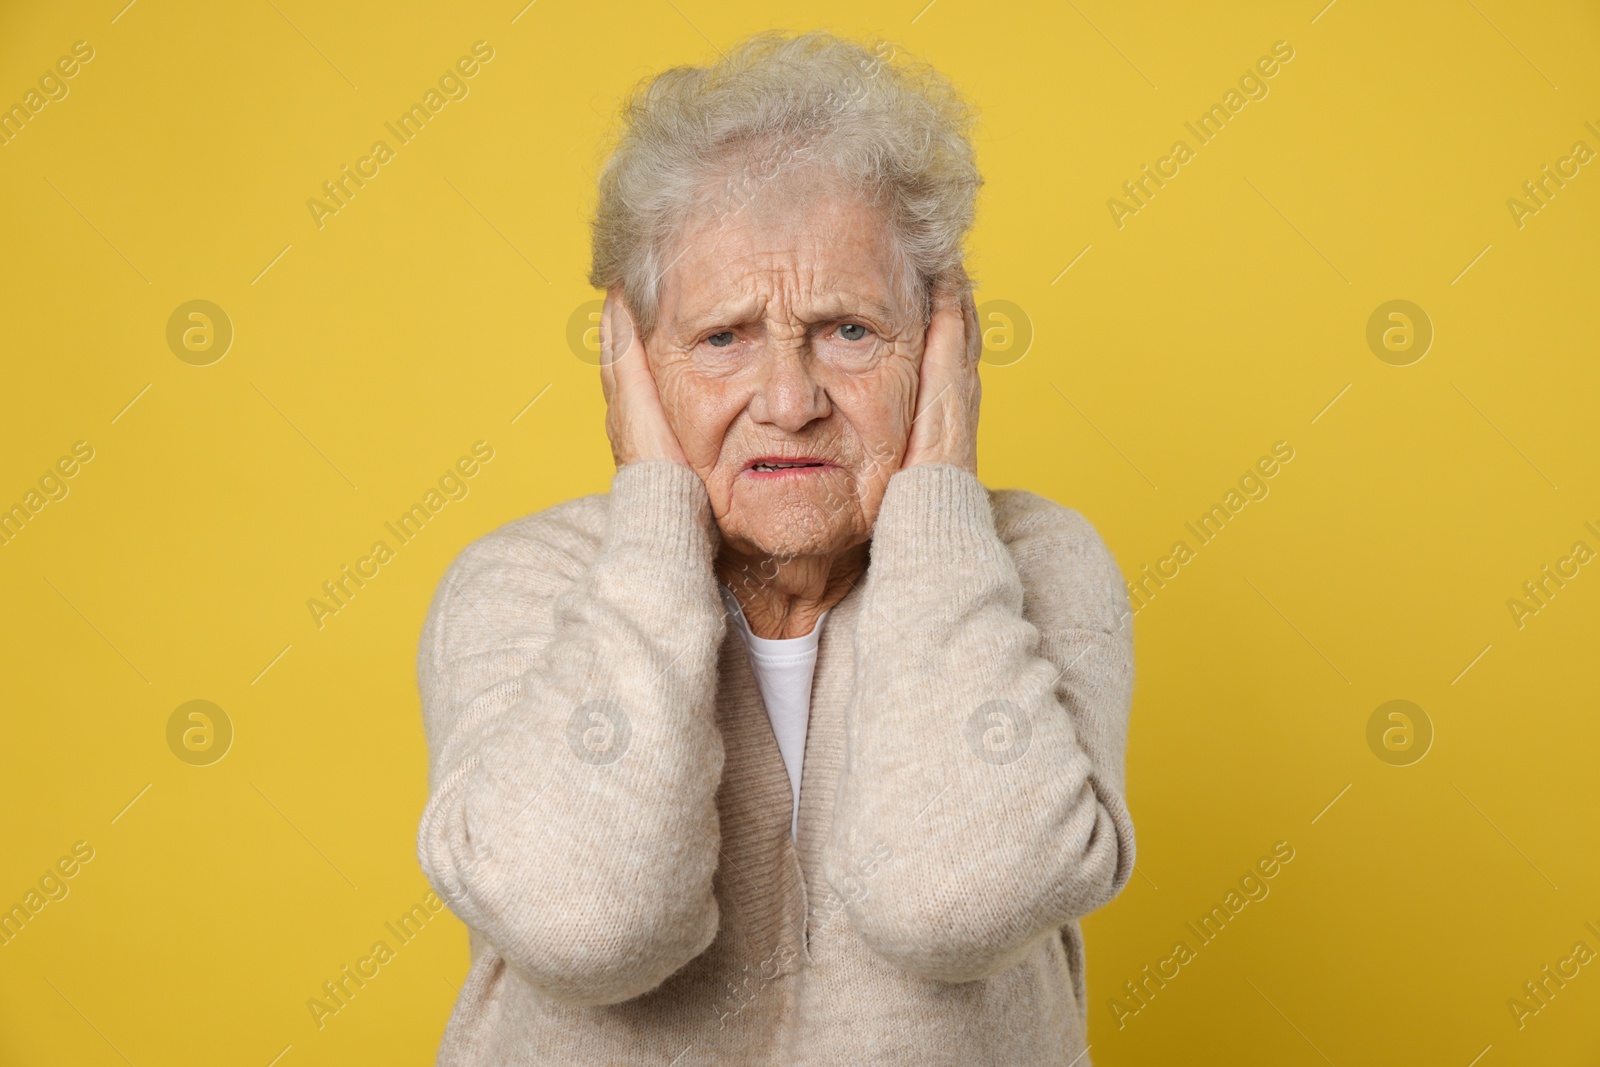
{"x": 775, "y": 466}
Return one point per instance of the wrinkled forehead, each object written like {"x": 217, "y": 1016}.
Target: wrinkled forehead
{"x": 791, "y": 248}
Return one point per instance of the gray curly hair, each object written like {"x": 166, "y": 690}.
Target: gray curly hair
{"x": 713, "y": 138}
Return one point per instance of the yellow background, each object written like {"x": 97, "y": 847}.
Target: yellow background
{"x": 1228, "y": 314}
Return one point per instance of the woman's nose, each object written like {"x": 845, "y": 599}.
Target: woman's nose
{"x": 788, "y": 395}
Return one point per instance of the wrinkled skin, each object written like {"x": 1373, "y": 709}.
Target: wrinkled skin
{"x": 782, "y": 331}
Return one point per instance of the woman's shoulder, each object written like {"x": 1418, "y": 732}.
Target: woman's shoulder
{"x": 503, "y": 582}
{"x": 1062, "y": 558}
{"x": 1026, "y": 520}
{"x": 554, "y": 543}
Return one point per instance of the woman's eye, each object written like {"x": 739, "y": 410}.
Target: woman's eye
{"x": 721, "y": 340}
{"x": 852, "y": 331}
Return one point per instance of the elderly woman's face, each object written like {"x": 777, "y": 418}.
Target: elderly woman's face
{"x": 782, "y": 337}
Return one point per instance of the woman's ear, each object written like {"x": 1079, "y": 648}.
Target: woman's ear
{"x": 960, "y": 289}
{"x": 974, "y": 330}
{"x": 616, "y": 326}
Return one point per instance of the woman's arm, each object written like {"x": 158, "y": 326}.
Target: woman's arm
{"x": 568, "y": 692}
{"x": 985, "y": 753}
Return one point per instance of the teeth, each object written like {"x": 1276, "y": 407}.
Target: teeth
{"x": 780, "y": 466}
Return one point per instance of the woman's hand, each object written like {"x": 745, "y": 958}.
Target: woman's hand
{"x": 945, "y": 426}
{"x": 636, "y": 421}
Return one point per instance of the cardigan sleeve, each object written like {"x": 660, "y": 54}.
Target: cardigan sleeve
{"x": 981, "y": 806}
{"x": 568, "y": 694}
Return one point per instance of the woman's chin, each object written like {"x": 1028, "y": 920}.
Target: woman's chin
{"x": 799, "y": 512}
{"x": 791, "y": 540}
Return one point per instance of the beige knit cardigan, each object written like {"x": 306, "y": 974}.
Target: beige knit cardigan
{"x": 610, "y": 816}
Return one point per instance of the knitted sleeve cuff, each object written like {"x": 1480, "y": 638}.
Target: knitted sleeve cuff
{"x": 931, "y": 514}
{"x": 661, "y": 505}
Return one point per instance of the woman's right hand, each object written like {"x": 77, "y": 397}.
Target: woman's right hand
{"x": 636, "y": 420}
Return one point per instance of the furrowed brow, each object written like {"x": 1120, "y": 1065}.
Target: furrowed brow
{"x": 740, "y": 311}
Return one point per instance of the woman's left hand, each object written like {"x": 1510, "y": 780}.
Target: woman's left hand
{"x": 945, "y": 422}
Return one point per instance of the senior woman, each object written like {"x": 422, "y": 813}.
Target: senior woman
{"x": 799, "y": 746}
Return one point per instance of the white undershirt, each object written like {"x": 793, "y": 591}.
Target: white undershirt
{"x": 783, "y": 669}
